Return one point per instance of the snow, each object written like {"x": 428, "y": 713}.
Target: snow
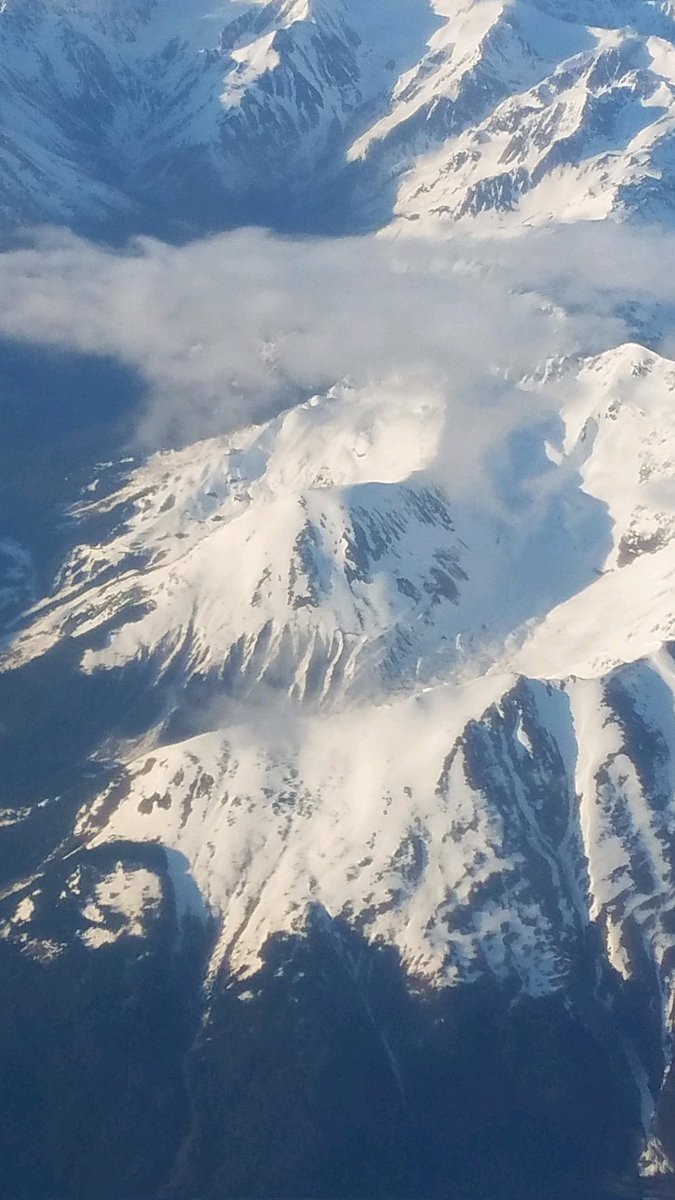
{"x": 483, "y": 112}
{"x": 577, "y": 123}
{"x": 126, "y": 896}
{"x": 337, "y": 765}
{"x": 253, "y": 61}
{"x": 618, "y": 409}
{"x": 25, "y": 910}
{"x": 448, "y": 717}
{"x": 265, "y": 824}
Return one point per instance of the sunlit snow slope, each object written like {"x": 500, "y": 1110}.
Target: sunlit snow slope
{"x": 319, "y": 680}
{"x": 389, "y": 701}
{"x": 334, "y": 113}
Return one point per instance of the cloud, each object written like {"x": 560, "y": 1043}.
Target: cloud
{"x": 228, "y": 330}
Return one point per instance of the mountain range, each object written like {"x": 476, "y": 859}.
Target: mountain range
{"x": 337, "y": 839}
{"x": 332, "y": 115}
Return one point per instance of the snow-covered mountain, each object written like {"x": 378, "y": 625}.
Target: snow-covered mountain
{"x": 337, "y": 835}
{"x": 329, "y": 114}
{"x": 576, "y": 124}
{"x": 448, "y": 723}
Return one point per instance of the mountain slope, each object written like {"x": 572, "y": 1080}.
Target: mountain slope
{"x": 329, "y": 115}
{"x": 354, "y": 691}
{"x": 578, "y": 122}
{"x": 337, "y": 843}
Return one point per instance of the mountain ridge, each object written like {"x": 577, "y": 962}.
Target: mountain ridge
{"x": 165, "y": 118}
{"x": 337, "y": 844}
{"x": 447, "y": 851}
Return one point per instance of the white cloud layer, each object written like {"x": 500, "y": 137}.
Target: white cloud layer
{"x": 229, "y": 329}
